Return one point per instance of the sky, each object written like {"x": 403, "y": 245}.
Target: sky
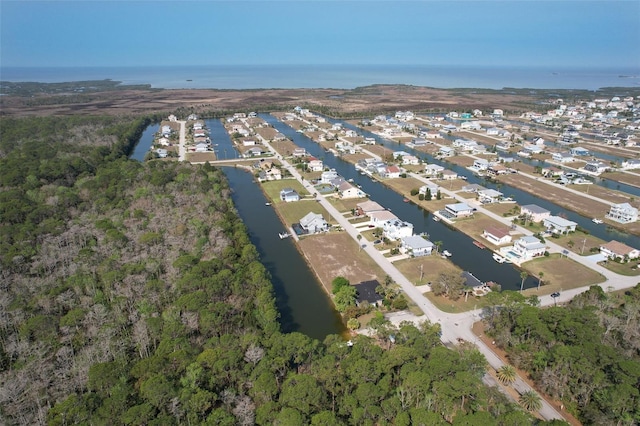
{"x": 573, "y": 33}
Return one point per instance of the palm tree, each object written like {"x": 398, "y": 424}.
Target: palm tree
{"x": 506, "y": 374}
{"x": 531, "y": 401}
{"x": 540, "y": 275}
{"x": 359, "y": 237}
{"x": 524, "y": 276}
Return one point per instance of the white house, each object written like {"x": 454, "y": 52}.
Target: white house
{"x": 623, "y": 213}
{"x": 487, "y": 196}
{"x": 579, "y": 151}
{"x": 559, "y": 225}
{"x": 395, "y": 229}
{"x": 562, "y": 157}
{"x": 416, "y": 245}
{"x": 480, "y": 164}
{"x": 525, "y": 248}
{"x": 328, "y": 176}
{"x": 457, "y": 210}
{"x": 410, "y": 160}
{"x": 346, "y": 190}
{"x": 433, "y": 170}
{"x": 497, "y": 235}
{"x": 377, "y": 218}
{"x": 289, "y": 195}
{"x": 313, "y": 223}
{"x": 446, "y": 151}
{"x": 392, "y": 172}
{"x": 535, "y": 213}
{"x": 448, "y": 175}
{"x": 162, "y": 153}
{"x": 596, "y": 167}
{"x": 432, "y": 187}
{"x": 273, "y": 174}
{"x": 367, "y": 207}
{"x": 617, "y": 250}
{"x": 315, "y": 165}
{"x": 630, "y": 164}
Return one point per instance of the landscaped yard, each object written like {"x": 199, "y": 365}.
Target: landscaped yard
{"x": 425, "y": 269}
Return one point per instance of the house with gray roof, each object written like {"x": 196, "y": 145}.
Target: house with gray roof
{"x": 313, "y": 223}
{"x": 416, "y": 246}
{"x": 559, "y": 225}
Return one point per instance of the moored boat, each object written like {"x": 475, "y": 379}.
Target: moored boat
{"x": 446, "y": 253}
{"x": 479, "y": 244}
{"x": 595, "y": 220}
{"x": 284, "y": 235}
{"x": 499, "y": 258}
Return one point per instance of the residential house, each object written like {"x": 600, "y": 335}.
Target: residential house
{"x": 433, "y": 170}
{"x": 562, "y": 157}
{"x": 391, "y": 172}
{"x": 496, "y": 170}
{"x": 480, "y": 164}
{"x": 377, "y": 218}
{"x": 416, "y": 246}
{"x": 346, "y": 190}
{"x": 273, "y": 174}
{"x": 473, "y": 187}
{"x": 623, "y": 213}
{"x": 289, "y": 195}
{"x": 534, "y": 212}
{"x": 617, "y": 250}
{"x": 446, "y": 151}
{"x": 410, "y": 160}
{"x": 457, "y": 210}
{"x": 448, "y": 175}
{"x": 315, "y": 165}
{"x": 559, "y": 225}
{"x": 394, "y": 229}
{"x": 369, "y": 141}
{"x": 367, "y": 207}
{"x": 525, "y": 248}
{"x": 487, "y": 196}
{"x": 366, "y": 292}
{"x": 248, "y": 142}
{"x": 596, "y": 167}
{"x": 328, "y": 176}
{"x": 579, "y": 151}
{"x": 313, "y": 223}
{"x": 497, "y": 235}
{"x": 162, "y": 153}
{"x": 431, "y": 187}
{"x": 253, "y": 152}
{"x": 630, "y": 164}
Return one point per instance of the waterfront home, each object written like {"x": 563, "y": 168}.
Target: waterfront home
{"x": 328, "y": 176}
{"x": 313, "y": 223}
{"x": 367, "y": 207}
{"x": 253, "y": 152}
{"x": 492, "y": 131}
{"x": 525, "y": 248}
{"x": 162, "y": 153}
{"x": 391, "y": 172}
{"x": 166, "y": 131}
{"x": 431, "y": 187}
{"x": 579, "y": 151}
{"x": 394, "y": 229}
{"x": 487, "y": 196}
{"x": 418, "y": 142}
{"x": 534, "y": 212}
{"x": 457, "y": 210}
{"x": 366, "y": 292}
{"x": 623, "y": 213}
{"x": 480, "y": 164}
{"x": 346, "y": 190}
{"x": 273, "y": 173}
{"x": 315, "y": 165}
{"x": 448, "y": 175}
{"x": 559, "y": 225}
{"x": 164, "y": 142}
{"x": 552, "y": 172}
{"x": 466, "y": 145}
{"x": 369, "y": 141}
{"x": 470, "y": 125}
{"x": 416, "y": 246}
{"x": 289, "y": 195}
{"x": 473, "y": 187}
{"x": 562, "y": 157}
{"x": 533, "y": 149}
{"x": 617, "y": 250}
{"x": 496, "y": 170}
{"x": 433, "y": 170}
{"x": 538, "y": 141}
{"x": 595, "y": 167}
{"x": 377, "y": 218}
{"x": 446, "y": 151}
{"x": 248, "y": 142}
{"x": 630, "y": 164}
{"x": 497, "y": 235}
{"x": 198, "y": 133}
{"x": 411, "y": 160}
{"x": 299, "y": 152}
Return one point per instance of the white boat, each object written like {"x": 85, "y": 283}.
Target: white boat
{"x": 284, "y": 235}
{"x": 598, "y": 221}
{"x": 499, "y": 258}
{"x": 446, "y": 253}
{"x": 436, "y": 218}
{"x": 267, "y": 204}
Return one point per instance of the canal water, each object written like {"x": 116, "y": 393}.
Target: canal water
{"x": 302, "y": 303}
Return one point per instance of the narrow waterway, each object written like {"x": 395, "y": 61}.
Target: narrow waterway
{"x": 303, "y": 305}
{"x": 464, "y": 253}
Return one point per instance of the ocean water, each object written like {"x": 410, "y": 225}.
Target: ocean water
{"x": 336, "y": 76}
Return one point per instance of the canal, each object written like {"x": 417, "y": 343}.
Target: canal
{"x": 301, "y": 301}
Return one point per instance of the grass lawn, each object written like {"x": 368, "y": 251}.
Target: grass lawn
{"x": 503, "y": 209}
{"x": 475, "y": 225}
{"x": 560, "y": 273}
{"x": 293, "y": 212}
{"x": 403, "y": 185}
{"x": 628, "y": 269}
{"x": 273, "y": 188}
{"x": 346, "y": 205}
{"x": 579, "y": 242}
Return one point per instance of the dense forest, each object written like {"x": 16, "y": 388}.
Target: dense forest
{"x": 586, "y": 354}
{"x": 131, "y": 294}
